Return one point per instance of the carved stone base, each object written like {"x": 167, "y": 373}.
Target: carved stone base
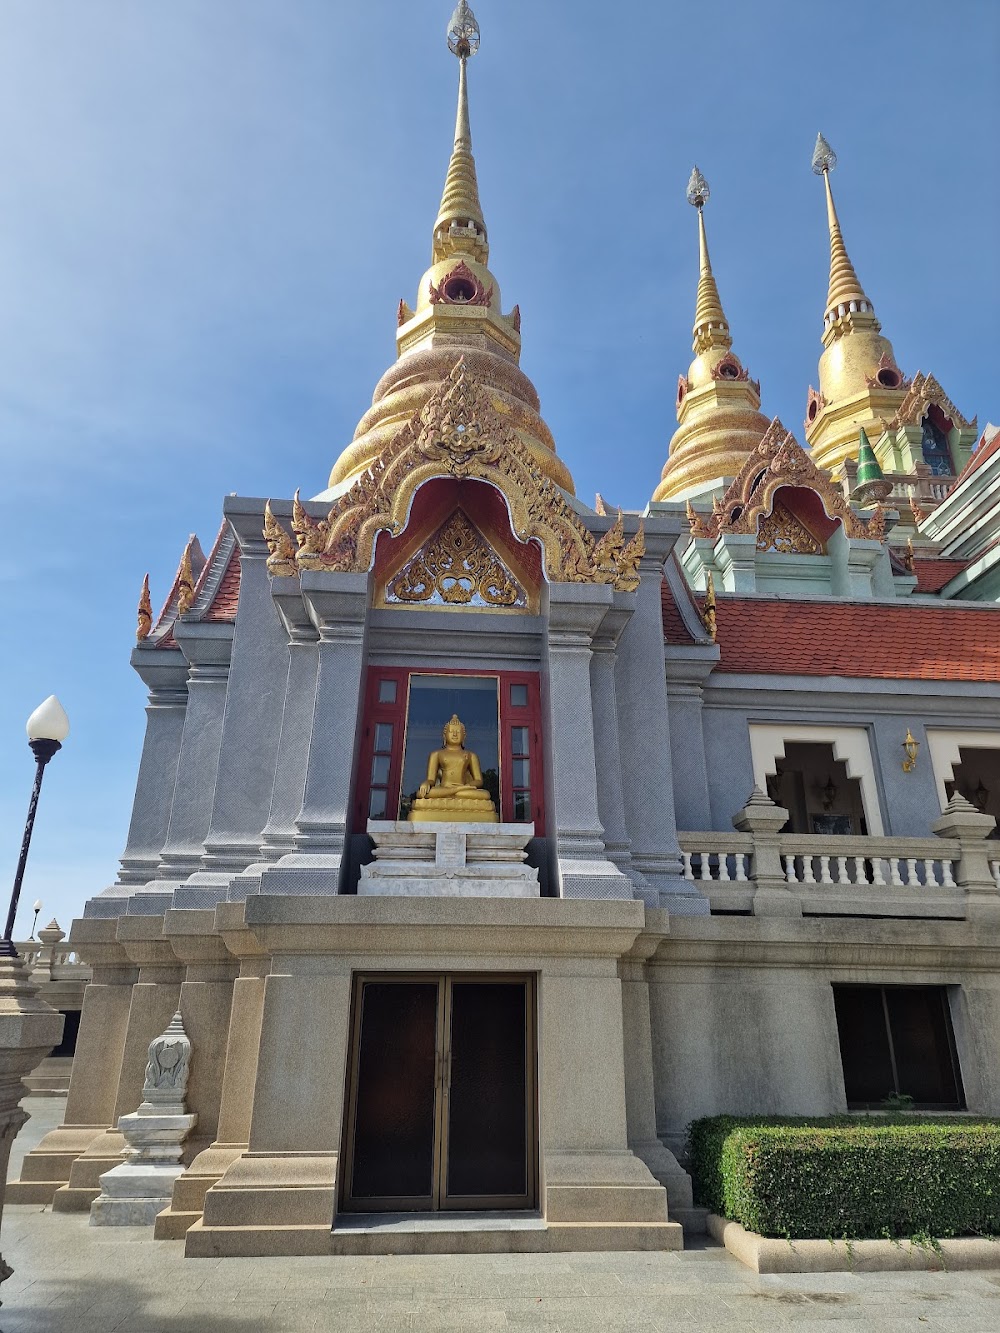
{"x": 444, "y": 859}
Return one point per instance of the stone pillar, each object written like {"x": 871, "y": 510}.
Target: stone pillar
{"x": 207, "y": 646}
{"x": 164, "y": 671}
{"x": 773, "y": 895}
{"x": 152, "y": 1004}
{"x": 296, "y": 720}
{"x": 610, "y": 800}
{"x": 287, "y": 1178}
{"x": 574, "y": 613}
{"x": 640, "y": 1093}
{"x": 963, "y": 821}
{"x": 233, "y": 1134}
{"x": 205, "y": 1005}
{"x": 28, "y": 1031}
{"x": 252, "y": 724}
{"x": 688, "y": 668}
{"x": 93, "y": 1088}
{"x": 643, "y": 714}
{"x": 337, "y": 605}
{"x": 592, "y": 1180}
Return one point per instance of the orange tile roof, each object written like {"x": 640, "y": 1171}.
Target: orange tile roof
{"x": 227, "y": 595}
{"x": 932, "y": 574}
{"x": 858, "y": 639}
{"x": 674, "y": 629}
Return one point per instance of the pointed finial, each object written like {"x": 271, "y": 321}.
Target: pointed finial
{"x": 185, "y": 581}
{"x": 711, "y": 328}
{"x": 145, "y": 613}
{"x": 463, "y": 32}
{"x": 824, "y": 159}
{"x": 697, "y": 189}
{"x": 870, "y": 485}
{"x": 845, "y": 294}
{"x": 460, "y": 228}
{"x": 709, "y": 615}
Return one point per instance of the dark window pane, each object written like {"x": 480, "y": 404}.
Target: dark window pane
{"x": 519, "y": 696}
{"x": 394, "y": 1116}
{"x": 920, "y": 1026}
{"x": 383, "y": 737}
{"x": 387, "y": 691}
{"x": 376, "y": 803}
{"x": 487, "y": 1129}
{"x": 522, "y": 777}
{"x": 380, "y": 769}
{"x": 864, "y": 1044}
{"x": 519, "y": 740}
{"x": 522, "y": 807}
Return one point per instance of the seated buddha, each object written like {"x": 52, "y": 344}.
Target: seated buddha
{"x": 454, "y": 788}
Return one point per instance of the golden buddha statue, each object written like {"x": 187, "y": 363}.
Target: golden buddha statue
{"x": 454, "y": 788}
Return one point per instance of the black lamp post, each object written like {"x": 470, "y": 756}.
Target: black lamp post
{"x": 47, "y": 728}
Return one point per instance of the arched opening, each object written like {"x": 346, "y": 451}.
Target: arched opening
{"x": 934, "y": 447}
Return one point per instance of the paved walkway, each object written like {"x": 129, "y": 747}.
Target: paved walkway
{"x": 73, "y": 1278}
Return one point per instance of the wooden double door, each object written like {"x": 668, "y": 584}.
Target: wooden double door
{"x": 441, "y": 1094}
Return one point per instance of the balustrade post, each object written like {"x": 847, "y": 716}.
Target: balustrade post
{"x": 973, "y": 873}
{"x": 762, "y": 819}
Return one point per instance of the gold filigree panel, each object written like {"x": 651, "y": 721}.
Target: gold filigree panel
{"x": 781, "y": 532}
{"x": 456, "y": 568}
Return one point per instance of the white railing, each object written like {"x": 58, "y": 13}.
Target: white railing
{"x": 829, "y": 873}
{"x": 995, "y": 870}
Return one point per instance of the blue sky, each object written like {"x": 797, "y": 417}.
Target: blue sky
{"x": 209, "y": 210}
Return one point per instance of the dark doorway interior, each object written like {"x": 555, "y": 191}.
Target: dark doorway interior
{"x": 898, "y": 1040}
{"x": 441, "y": 1098}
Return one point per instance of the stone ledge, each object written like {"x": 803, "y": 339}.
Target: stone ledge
{"x": 766, "y": 1255}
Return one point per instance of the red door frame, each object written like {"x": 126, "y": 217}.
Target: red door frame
{"x": 511, "y": 715}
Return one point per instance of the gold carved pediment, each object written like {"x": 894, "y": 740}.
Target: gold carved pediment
{"x": 455, "y": 568}
{"x": 781, "y": 532}
{"x": 459, "y": 433}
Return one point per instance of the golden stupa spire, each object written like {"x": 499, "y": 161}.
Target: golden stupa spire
{"x": 711, "y": 328}
{"x": 460, "y": 226}
{"x": 845, "y": 293}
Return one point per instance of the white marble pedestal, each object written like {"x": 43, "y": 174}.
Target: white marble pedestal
{"x": 449, "y": 860}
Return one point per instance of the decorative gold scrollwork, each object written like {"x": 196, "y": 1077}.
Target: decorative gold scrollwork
{"x": 456, "y": 568}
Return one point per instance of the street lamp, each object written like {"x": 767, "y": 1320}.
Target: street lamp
{"x": 47, "y": 728}
{"x": 36, "y": 909}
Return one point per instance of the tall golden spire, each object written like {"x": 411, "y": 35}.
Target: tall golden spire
{"x": 458, "y": 311}
{"x": 460, "y": 227}
{"x": 845, "y": 292}
{"x": 718, "y": 404}
{"x": 711, "y": 328}
{"x": 859, "y": 381}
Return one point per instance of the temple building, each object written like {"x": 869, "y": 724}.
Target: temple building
{"x": 483, "y": 839}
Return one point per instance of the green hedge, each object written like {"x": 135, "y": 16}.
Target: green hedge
{"x": 841, "y": 1177}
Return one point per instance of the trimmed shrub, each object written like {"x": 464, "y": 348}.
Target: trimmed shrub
{"x": 844, "y": 1178}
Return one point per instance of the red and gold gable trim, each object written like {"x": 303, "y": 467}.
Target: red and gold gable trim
{"x": 779, "y": 460}
{"x": 460, "y": 434}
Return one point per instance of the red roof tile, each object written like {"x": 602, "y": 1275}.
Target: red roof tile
{"x": 932, "y": 575}
{"x": 674, "y": 629}
{"x": 858, "y": 639}
{"x": 227, "y": 595}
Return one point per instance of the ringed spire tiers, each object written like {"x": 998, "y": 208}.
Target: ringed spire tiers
{"x": 458, "y": 313}
{"x": 718, "y": 403}
{"x": 859, "y": 381}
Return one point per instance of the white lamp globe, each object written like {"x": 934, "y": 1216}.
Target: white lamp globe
{"x": 48, "y": 722}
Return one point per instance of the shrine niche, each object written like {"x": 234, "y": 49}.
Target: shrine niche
{"x": 456, "y": 568}
{"x": 781, "y": 532}
{"x": 458, "y": 434}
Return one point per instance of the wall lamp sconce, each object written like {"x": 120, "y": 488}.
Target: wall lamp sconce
{"x": 911, "y": 747}
{"x": 829, "y": 794}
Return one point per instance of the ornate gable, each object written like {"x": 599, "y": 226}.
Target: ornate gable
{"x": 779, "y": 460}
{"x": 458, "y": 433}
{"x": 921, "y": 393}
{"x": 456, "y": 567}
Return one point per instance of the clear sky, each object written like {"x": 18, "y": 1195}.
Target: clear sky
{"x": 209, "y": 210}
